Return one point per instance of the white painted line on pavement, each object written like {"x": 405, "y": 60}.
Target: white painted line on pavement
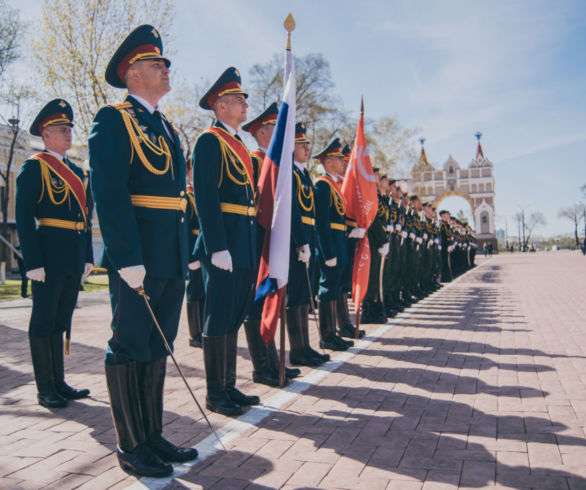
{"x": 233, "y": 429}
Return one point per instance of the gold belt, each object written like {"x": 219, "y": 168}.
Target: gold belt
{"x": 353, "y": 223}
{"x": 62, "y": 223}
{"x": 338, "y": 226}
{"x": 307, "y": 220}
{"x": 159, "y": 202}
{"x": 227, "y": 207}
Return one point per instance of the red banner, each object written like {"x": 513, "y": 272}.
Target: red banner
{"x": 361, "y": 202}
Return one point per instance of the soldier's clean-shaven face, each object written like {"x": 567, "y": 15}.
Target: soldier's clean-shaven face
{"x": 153, "y": 77}
{"x": 301, "y": 153}
{"x": 236, "y": 108}
{"x": 57, "y": 138}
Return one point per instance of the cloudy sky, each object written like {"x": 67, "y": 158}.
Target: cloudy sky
{"x": 516, "y": 71}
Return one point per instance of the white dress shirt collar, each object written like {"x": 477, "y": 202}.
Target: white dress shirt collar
{"x": 147, "y": 105}
{"x": 58, "y": 155}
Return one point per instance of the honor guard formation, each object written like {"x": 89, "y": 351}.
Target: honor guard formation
{"x": 164, "y": 220}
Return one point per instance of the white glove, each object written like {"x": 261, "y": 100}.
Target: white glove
{"x": 425, "y": 236}
{"x": 404, "y": 234}
{"x": 398, "y": 227}
{"x": 384, "y": 250}
{"x": 193, "y": 266}
{"x": 133, "y": 275}
{"x": 412, "y": 236}
{"x": 357, "y": 233}
{"x": 222, "y": 260}
{"x": 304, "y": 254}
{"x": 36, "y": 274}
{"x": 87, "y": 269}
{"x": 390, "y": 228}
{"x": 332, "y": 262}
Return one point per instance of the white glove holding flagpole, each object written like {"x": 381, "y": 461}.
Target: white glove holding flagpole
{"x": 304, "y": 254}
{"x": 193, "y": 266}
{"x": 384, "y": 250}
{"x": 133, "y": 275}
{"x": 332, "y": 262}
{"x": 36, "y": 274}
{"x": 222, "y": 260}
{"x": 357, "y": 233}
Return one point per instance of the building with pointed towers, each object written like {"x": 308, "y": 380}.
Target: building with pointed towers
{"x": 474, "y": 183}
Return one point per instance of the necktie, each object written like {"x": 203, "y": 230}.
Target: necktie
{"x": 159, "y": 116}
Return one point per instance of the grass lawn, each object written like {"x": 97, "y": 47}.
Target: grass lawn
{"x": 11, "y": 290}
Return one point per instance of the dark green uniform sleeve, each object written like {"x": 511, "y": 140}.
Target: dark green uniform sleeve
{"x": 110, "y": 156}
{"x": 28, "y": 191}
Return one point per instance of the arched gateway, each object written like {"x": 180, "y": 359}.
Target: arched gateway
{"x": 475, "y": 184}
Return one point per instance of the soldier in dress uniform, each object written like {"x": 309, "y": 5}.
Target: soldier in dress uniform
{"x": 301, "y": 257}
{"x": 393, "y": 277}
{"x": 345, "y": 326}
{"x": 445, "y": 244}
{"x": 265, "y": 360}
{"x": 332, "y": 253}
{"x": 195, "y": 293}
{"x": 223, "y": 179}
{"x": 137, "y": 173}
{"x": 372, "y": 306}
{"x": 57, "y": 250}
{"x": 409, "y": 244}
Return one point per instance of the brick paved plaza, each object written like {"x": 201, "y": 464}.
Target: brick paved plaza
{"x": 483, "y": 384}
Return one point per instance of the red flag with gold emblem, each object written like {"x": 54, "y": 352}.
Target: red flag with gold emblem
{"x": 361, "y": 202}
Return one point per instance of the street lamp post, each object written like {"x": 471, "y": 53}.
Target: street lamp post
{"x": 14, "y": 125}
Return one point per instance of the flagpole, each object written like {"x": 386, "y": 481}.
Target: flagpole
{"x": 358, "y": 303}
{"x": 289, "y": 25}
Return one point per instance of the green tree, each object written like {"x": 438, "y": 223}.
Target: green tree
{"x": 75, "y": 42}
{"x": 317, "y": 104}
{"x": 574, "y": 214}
{"x": 11, "y": 33}
{"x": 182, "y": 109}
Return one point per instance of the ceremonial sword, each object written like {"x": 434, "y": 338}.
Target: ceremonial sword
{"x": 140, "y": 290}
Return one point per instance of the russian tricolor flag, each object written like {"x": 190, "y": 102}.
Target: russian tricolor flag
{"x": 274, "y": 208}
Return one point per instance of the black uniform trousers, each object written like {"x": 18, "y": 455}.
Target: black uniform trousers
{"x": 227, "y": 298}
{"x": 53, "y": 304}
{"x": 134, "y": 334}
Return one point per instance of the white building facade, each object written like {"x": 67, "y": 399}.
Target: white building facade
{"x": 475, "y": 183}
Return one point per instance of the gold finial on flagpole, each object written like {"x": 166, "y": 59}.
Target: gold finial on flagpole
{"x": 362, "y": 105}
{"x": 289, "y": 27}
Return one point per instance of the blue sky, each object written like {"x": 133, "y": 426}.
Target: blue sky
{"x": 516, "y": 71}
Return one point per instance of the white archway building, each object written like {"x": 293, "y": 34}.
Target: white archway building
{"x": 475, "y": 184}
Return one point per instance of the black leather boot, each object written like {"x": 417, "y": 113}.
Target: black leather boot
{"x": 345, "y": 327}
{"x": 311, "y": 353}
{"x": 194, "y": 322}
{"x": 298, "y": 353}
{"x": 61, "y": 386}
{"x": 214, "y": 355}
{"x": 334, "y": 331}
{"x": 134, "y": 454}
{"x": 152, "y": 383}
{"x": 42, "y": 357}
{"x": 230, "y": 383}
{"x": 397, "y": 301}
{"x": 275, "y": 363}
{"x": 262, "y": 372}
{"x": 327, "y": 327}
